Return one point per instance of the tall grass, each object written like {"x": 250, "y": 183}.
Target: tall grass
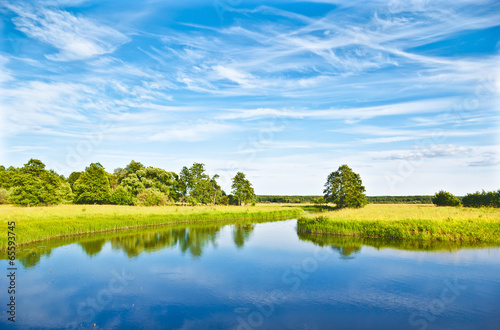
{"x": 416, "y": 222}
{"x": 42, "y": 223}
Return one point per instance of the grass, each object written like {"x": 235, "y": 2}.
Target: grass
{"x": 410, "y": 222}
{"x": 35, "y": 224}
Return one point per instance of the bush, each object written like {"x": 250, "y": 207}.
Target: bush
{"x": 121, "y": 196}
{"x": 444, "y": 198}
{"x": 150, "y": 197}
{"x": 192, "y": 201}
{"x": 4, "y": 196}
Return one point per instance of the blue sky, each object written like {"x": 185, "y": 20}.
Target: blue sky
{"x": 404, "y": 92}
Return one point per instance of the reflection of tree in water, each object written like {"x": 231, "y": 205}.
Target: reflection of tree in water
{"x": 32, "y": 259}
{"x": 192, "y": 240}
{"x": 349, "y": 246}
{"x": 241, "y": 233}
{"x": 93, "y": 247}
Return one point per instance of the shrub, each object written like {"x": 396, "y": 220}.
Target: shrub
{"x": 121, "y": 196}
{"x": 150, "y": 197}
{"x": 444, "y": 198}
{"x": 4, "y": 196}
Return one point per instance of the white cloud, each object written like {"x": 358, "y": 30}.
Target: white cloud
{"x": 187, "y": 132}
{"x": 76, "y": 38}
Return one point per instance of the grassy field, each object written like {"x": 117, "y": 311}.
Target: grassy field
{"x": 415, "y": 222}
{"x": 41, "y": 223}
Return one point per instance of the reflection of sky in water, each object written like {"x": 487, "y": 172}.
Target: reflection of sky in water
{"x": 225, "y": 284}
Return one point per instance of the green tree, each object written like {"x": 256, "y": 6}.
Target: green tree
{"x": 194, "y": 183}
{"x": 92, "y": 187}
{"x": 34, "y": 185}
{"x": 242, "y": 188}
{"x": 133, "y": 167}
{"x": 345, "y": 188}
{"x": 444, "y": 198}
{"x": 183, "y": 182}
{"x": 73, "y": 177}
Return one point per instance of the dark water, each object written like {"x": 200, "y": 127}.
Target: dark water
{"x": 254, "y": 276}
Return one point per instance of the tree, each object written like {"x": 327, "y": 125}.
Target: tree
{"x": 194, "y": 183}
{"x": 242, "y": 188}
{"x": 133, "y": 167}
{"x": 345, "y": 188}
{"x": 444, "y": 198}
{"x": 92, "y": 187}
{"x": 73, "y": 177}
{"x": 34, "y": 185}
{"x": 479, "y": 199}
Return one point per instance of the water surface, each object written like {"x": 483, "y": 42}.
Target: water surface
{"x": 262, "y": 276}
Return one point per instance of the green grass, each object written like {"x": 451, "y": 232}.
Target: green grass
{"x": 409, "y": 222}
{"x": 35, "y": 224}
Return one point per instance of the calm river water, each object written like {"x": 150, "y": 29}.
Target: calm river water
{"x": 263, "y": 276}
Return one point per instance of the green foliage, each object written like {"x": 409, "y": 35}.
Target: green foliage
{"x": 65, "y": 194}
{"x": 151, "y": 197}
{"x": 34, "y": 185}
{"x": 478, "y": 199}
{"x": 344, "y": 188}
{"x": 121, "y": 196}
{"x": 319, "y": 201}
{"x": 4, "y": 196}
{"x": 444, "y": 198}
{"x": 195, "y": 183}
{"x": 191, "y": 201}
{"x": 73, "y": 177}
{"x": 399, "y": 199}
{"x": 242, "y": 189}
{"x": 132, "y": 184}
{"x": 92, "y": 187}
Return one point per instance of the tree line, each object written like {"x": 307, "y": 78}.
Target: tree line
{"x": 135, "y": 184}
{"x": 477, "y": 199}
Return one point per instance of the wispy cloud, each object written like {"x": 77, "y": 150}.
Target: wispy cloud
{"x": 75, "y": 38}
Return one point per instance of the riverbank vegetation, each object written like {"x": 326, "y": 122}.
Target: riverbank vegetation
{"x": 136, "y": 184}
{"x": 191, "y": 239}
{"x": 41, "y": 223}
{"x": 413, "y": 222}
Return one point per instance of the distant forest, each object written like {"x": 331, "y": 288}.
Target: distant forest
{"x": 371, "y": 199}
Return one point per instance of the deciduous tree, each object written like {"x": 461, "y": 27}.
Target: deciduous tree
{"x": 344, "y": 188}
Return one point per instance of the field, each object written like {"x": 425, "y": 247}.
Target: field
{"x": 415, "y": 222}
{"x": 41, "y": 223}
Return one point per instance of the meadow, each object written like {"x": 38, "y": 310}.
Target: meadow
{"x": 33, "y": 224}
{"x": 410, "y": 222}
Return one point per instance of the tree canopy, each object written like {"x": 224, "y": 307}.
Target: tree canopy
{"x": 345, "y": 188}
{"x": 242, "y": 188}
{"x": 444, "y": 198}
{"x": 92, "y": 187}
{"x": 33, "y": 185}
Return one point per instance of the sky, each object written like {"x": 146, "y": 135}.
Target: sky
{"x": 406, "y": 93}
